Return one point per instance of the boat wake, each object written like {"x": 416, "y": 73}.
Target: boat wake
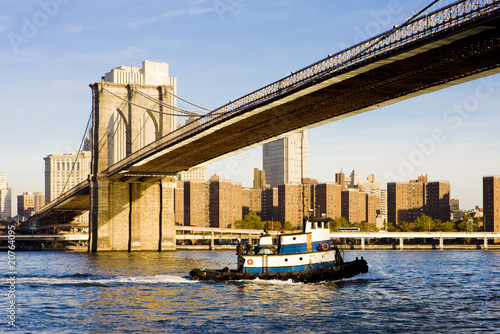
{"x": 90, "y": 280}
{"x": 369, "y": 276}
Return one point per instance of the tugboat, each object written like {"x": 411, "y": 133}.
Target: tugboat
{"x": 307, "y": 257}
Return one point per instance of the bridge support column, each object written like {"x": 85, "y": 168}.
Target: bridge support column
{"x": 401, "y": 245}
{"x": 362, "y": 243}
{"x": 485, "y": 243}
{"x": 441, "y": 243}
{"x": 131, "y": 216}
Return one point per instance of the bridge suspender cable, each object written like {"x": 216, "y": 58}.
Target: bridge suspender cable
{"x": 195, "y": 105}
{"x": 166, "y": 105}
{"x": 78, "y": 153}
{"x": 182, "y": 111}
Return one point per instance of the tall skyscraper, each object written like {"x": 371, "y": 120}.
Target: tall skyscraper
{"x": 491, "y": 203}
{"x": 259, "y": 179}
{"x": 285, "y": 159}
{"x": 63, "y": 172}
{"x": 26, "y": 204}
{"x": 5, "y": 197}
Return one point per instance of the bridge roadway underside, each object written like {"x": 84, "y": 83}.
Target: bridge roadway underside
{"x": 425, "y": 66}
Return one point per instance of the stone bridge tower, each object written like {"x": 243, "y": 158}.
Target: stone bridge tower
{"x": 130, "y": 110}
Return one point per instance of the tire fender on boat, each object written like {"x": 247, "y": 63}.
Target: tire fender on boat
{"x": 324, "y": 246}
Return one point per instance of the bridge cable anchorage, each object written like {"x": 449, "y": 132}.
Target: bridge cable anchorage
{"x": 187, "y": 113}
{"x": 78, "y": 153}
{"x": 177, "y": 97}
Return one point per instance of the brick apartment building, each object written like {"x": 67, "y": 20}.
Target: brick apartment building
{"x": 491, "y": 203}
{"x": 406, "y": 201}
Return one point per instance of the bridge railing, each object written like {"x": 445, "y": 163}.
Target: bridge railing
{"x": 425, "y": 25}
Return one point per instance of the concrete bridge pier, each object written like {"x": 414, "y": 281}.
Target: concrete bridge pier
{"x": 485, "y": 243}
{"x": 401, "y": 245}
{"x": 441, "y": 243}
{"x": 127, "y": 216}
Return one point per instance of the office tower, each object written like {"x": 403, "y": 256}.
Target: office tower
{"x": 225, "y": 199}
{"x": 285, "y": 159}
{"x": 39, "y": 200}
{"x": 355, "y": 179}
{"x": 196, "y": 201}
{"x": 328, "y": 200}
{"x": 383, "y": 203}
{"x": 491, "y": 203}
{"x": 64, "y": 171}
{"x": 25, "y": 204}
{"x": 371, "y": 184}
{"x": 259, "y": 179}
{"x": 406, "y": 201}
{"x": 340, "y": 180}
{"x": 5, "y": 197}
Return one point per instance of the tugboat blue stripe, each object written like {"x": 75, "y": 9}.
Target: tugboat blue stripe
{"x": 289, "y": 269}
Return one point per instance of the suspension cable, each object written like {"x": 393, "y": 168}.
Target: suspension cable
{"x": 156, "y": 111}
{"x": 190, "y": 113}
{"x": 77, "y": 154}
{"x": 197, "y": 106}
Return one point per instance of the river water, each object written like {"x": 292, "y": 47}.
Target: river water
{"x": 151, "y": 292}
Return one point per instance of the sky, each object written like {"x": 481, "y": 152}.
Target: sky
{"x": 219, "y": 50}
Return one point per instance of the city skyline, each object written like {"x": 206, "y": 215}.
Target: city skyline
{"x": 219, "y": 53}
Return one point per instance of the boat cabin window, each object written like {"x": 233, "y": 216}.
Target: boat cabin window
{"x": 314, "y": 225}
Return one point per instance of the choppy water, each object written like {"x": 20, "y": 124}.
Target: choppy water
{"x": 150, "y": 292}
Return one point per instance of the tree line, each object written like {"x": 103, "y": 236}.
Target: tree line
{"x": 423, "y": 224}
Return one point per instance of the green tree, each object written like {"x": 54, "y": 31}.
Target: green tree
{"x": 251, "y": 221}
{"x": 287, "y": 226}
{"x": 445, "y": 226}
{"x": 339, "y": 222}
{"x": 273, "y": 226}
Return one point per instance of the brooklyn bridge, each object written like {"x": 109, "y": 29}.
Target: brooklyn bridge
{"x": 129, "y": 193}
